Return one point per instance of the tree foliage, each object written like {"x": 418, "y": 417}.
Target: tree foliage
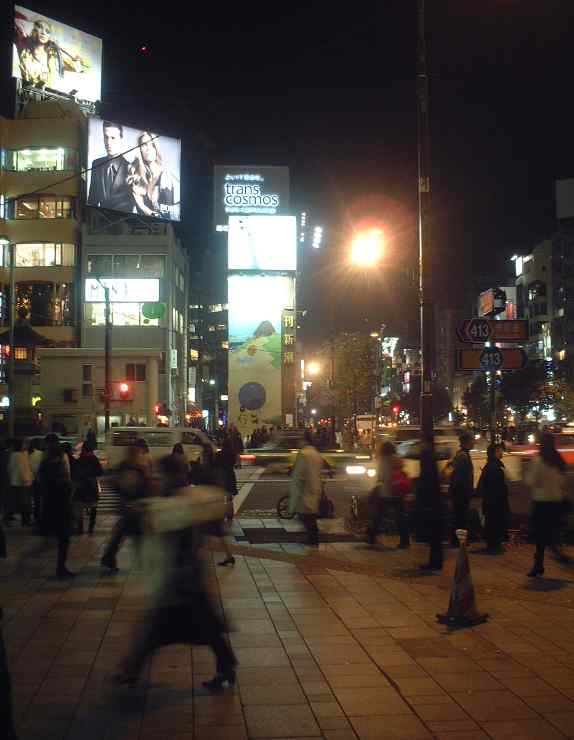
{"x": 353, "y": 357}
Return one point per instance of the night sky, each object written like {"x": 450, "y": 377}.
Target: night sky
{"x": 330, "y": 92}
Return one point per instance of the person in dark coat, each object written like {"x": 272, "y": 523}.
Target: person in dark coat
{"x": 225, "y": 460}
{"x": 429, "y": 506}
{"x": 183, "y": 613}
{"x": 56, "y": 485}
{"x": 133, "y": 484}
{"x": 88, "y": 470}
{"x": 493, "y": 488}
{"x": 461, "y": 485}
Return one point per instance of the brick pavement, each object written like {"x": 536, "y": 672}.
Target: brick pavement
{"x": 338, "y": 644}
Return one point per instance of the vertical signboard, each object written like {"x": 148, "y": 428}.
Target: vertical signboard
{"x": 288, "y": 364}
{"x": 256, "y": 307}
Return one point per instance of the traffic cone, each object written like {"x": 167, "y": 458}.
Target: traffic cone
{"x": 462, "y": 611}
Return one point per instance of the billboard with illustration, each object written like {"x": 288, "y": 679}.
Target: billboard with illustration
{"x": 49, "y": 55}
{"x": 256, "y": 306}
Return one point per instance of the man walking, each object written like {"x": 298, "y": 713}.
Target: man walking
{"x": 461, "y": 485}
{"x": 306, "y": 487}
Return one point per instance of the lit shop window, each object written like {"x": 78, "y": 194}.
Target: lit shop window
{"x": 45, "y": 255}
{"x": 123, "y": 314}
{"x": 40, "y": 159}
{"x": 44, "y": 207}
{"x": 21, "y": 353}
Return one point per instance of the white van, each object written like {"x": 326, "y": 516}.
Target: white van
{"x": 160, "y": 441}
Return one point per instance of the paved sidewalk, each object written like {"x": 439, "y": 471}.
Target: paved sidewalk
{"x": 339, "y": 644}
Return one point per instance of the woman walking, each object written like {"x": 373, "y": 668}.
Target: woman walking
{"x": 493, "y": 488}
{"x": 88, "y": 469}
{"x": 547, "y": 481}
{"x": 182, "y": 613}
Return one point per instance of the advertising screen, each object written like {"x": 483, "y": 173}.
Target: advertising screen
{"x": 126, "y": 290}
{"x": 262, "y": 243}
{"x": 49, "y": 54}
{"x": 256, "y": 305}
{"x": 133, "y": 170}
{"x": 245, "y": 190}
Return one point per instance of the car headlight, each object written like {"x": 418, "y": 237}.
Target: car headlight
{"x": 355, "y": 470}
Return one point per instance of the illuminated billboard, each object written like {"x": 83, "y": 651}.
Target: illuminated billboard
{"x": 262, "y": 243}
{"x": 133, "y": 170}
{"x": 240, "y": 191}
{"x": 122, "y": 290}
{"x": 256, "y": 306}
{"x": 48, "y": 54}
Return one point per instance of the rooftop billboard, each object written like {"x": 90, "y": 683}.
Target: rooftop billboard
{"x": 240, "y": 191}
{"x": 49, "y": 54}
{"x": 262, "y": 243}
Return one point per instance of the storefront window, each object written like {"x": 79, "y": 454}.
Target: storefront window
{"x": 123, "y": 314}
{"x": 41, "y": 159}
{"x": 44, "y": 207}
{"x": 46, "y": 303}
{"x": 45, "y": 255}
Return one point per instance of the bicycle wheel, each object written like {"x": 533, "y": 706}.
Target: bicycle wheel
{"x": 283, "y": 511}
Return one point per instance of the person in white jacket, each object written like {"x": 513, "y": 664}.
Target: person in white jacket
{"x": 307, "y": 487}
{"x": 547, "y": 480}
{"x": 20, "y": 479}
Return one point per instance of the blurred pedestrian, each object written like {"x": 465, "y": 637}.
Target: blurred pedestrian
{"x": 20, "y": 480}
{"x": 237, "y": 443}
{"x": 35, "y": 457}
{"x": 56, "y": 491}
{"x": 183, "y": 612}
{"x": 134, "y": 482}
{"x": 388, "y": 496}
{"x": 461, "y": 484}
{"x": 91, "y": 439}
{"x": 208, "y": 472}
{"x": 429, "y": 506}
{"x": 547, "y": 480}
{"x": 493, "y": 488}
{"x": 6, "y": 504}
{"x": 179, "y": 453}
{"x": 307, "y": 487}
{"x": 88, "y": 470}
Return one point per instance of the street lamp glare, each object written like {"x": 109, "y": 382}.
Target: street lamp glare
{"x": 314, "y": 368}
{"x": 367, "y": 248}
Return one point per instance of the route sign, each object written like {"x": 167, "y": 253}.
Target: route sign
{"x": 491, "y": 358}
{"x": 480, "y": 330}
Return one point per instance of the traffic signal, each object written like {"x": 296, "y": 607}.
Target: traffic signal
{"x": 396, "y": 410}
{"x": 125, "y": 392}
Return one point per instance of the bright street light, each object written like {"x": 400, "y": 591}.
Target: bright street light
{"x": 314, "y": 368}
{"x": 313, "y": 411}
{"x": 367, "y": 248}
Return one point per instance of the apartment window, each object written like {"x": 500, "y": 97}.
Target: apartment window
{"x": 135, "y": 372}
{"x": 45, "y": 255}
{"x": 44, "y": 207}
{"x": 87, "y": 381}
{"x": 40, "y": 159}
{"x": 21, "y": 353}
{"x": 46, "y": 303}
{"x": 193, "y": 355}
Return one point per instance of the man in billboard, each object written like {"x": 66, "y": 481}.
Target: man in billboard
{"x": 42, "y": 60}
{"x": 109, "y": 175}
{"x": 152, "y": 185}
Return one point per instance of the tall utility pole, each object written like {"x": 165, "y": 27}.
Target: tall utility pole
{"x": 108, "y": 359}
{"x": 424, "y": 190}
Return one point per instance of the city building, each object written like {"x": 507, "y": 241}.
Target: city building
{"x": 72, "y": 382}
{"x": 143, "y": 264}
{"x": 534, "y": 298}
{"x": 40, "y": 212}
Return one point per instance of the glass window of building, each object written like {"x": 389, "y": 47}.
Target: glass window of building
{"x": 45, "y": 255}
{"x": 41, "y": 159}
{"x": 136, "y": 371}
{"x": 46, "y": 303}
{"x": 44, "y": 206}
{"x": 126, "y": 264}
{"x": 123, "y": 314}
{"x": 21, "y": 353}
{"x": 152, "y": 265}
{"x": 193, "y": 355}
{"x": 100, "y": 264}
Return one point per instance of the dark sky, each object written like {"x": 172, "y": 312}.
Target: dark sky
{"x": 330, "y": 92}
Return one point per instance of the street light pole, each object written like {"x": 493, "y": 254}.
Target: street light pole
{"x": 108, "y": 360}
{"x": 424, "y": 202}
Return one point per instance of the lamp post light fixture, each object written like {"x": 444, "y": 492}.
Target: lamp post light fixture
{"x": 367, "y": 248}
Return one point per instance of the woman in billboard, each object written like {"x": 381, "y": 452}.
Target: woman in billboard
{"x": 42, "y": 60}
{"x": 151, "y": 185}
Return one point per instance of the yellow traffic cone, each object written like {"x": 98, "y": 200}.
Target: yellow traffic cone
{"x": 462, "y": 611}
